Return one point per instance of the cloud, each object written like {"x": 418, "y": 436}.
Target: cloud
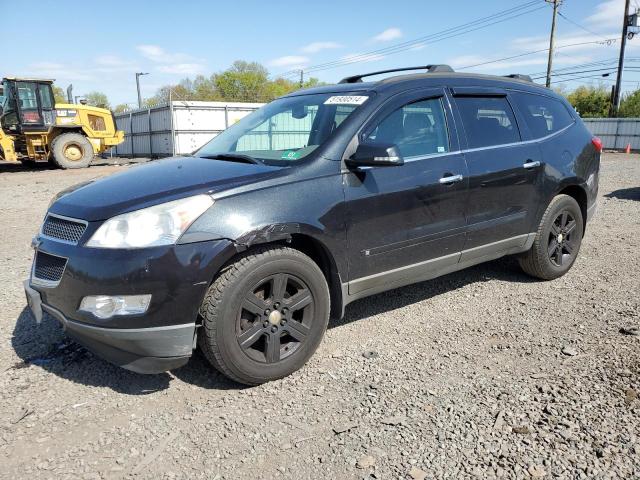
{"x": 160, "y": 55}
{"x": 362, "y": 57}
{"x": 288, "y": 61}
{"x": 58, "y": 71}
{"x": 182, "y": 68}
{"x": 315, "y": 47}
{"x": 170, "y": 62}
{"x": 388, "y": 35}
{"x": 111, "y": 61}
{"x": 607, "y": 14}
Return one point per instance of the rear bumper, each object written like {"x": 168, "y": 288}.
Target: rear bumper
{"x": 141, "y": 350}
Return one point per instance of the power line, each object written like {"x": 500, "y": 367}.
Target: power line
{"x": 533, "y": 52}
{"x": 468, "y": 27}
{"x": 578, "y": 65}
{"x": 567, "y": 19}
{"x": 581, "y": 78}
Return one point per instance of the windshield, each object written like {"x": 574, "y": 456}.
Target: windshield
{"x": 285, "y": 130}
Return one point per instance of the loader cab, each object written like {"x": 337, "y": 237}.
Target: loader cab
{"x": 28, "y": 105}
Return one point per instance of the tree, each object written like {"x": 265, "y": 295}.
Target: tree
{"x": 242, "y": 82}
{"x": 97, "y": 99}
{"x": 121, "y": 107}
{"x": 630, "y": 105}
{"x": 590, "y": 101}
{"x": 59, "y": 95}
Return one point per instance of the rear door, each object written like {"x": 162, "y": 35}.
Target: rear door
{"x": 504, "y": 173}
{"x": 403, "y": 221}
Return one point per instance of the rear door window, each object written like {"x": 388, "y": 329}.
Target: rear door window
{"x": 487, "y": 121}
{"x": 543, "y": 115}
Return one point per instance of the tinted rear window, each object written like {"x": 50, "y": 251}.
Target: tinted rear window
{"x": 487, "y": 121}
{"x": 543, "y": 115}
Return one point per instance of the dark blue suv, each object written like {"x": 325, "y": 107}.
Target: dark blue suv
{"x": 319, "y": 198}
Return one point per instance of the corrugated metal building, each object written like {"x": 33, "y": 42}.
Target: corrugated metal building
{"x": 616, "y": 133}
{"x": 182, "y": 127}
{"x": 178, "y": 128}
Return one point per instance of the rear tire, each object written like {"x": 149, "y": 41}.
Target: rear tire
{"x": 72, "y": 150}
{"x": 264, "y": 315}
{"x": 557, "y": 241}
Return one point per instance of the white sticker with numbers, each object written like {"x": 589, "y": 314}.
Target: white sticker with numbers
{"x": 345, "y": 100}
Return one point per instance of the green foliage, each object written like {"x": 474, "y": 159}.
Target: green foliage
{"x": 630, "y": 105}
{"x": 590, "y": 101}
{"x": 242, "y": 82}
{"x": 121, "y": 107}
{"x": 97, "y": 99}
{"x": 59, "y": 95}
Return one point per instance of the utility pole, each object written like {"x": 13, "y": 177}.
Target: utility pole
{"x": 623, "y": 44}
{"x": 556, "y": 4}
{"x": 301, "y": 78}
{"x": 138, "y": 75}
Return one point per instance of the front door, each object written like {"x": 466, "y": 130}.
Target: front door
{"x": 403, "y": 221}
{"x": 503, "y": 175}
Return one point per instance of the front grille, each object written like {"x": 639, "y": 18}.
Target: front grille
{"x": 48, "y": 267}
{"x": 63, "y": 229}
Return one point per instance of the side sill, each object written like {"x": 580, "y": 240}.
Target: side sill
{"x": 434, "y": 268}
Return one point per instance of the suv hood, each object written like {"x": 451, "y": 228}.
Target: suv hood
{"x": 156, "y": 182}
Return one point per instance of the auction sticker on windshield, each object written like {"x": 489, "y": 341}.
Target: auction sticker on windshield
{"x": 345, "y": 100}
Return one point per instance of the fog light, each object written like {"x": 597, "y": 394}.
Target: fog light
{"x": 106, "y": 306}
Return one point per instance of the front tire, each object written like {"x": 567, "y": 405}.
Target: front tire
{"x": 557, "y": 241}
{"x": 72, "y": 150}
{"x": 264, "y": 315}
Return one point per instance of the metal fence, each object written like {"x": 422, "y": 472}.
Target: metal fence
{"x": 182, "y": 127}
{"x": 616, "y": 133}
{"x": 176, "y": 128}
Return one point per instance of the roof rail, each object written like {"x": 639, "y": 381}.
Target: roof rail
{"x": 428, "y": 68}
{"x": 520, "y": 76}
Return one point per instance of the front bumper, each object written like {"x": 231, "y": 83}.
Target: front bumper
{"x": 141, "y": 350}
{"x": 162, "y": 338}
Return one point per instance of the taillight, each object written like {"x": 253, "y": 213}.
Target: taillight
{"x": 597, "y": 143}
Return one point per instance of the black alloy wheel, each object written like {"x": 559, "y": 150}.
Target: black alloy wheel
{"x": 264, "y": 314}
{"x": 563, "y": 243}
{"x": 557, "y": 240}
{"x": 275, "y": 318}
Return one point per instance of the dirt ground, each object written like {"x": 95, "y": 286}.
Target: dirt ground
{"x": 484, "y": 373}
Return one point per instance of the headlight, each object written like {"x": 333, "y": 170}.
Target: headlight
{"x": 158, "y": 225}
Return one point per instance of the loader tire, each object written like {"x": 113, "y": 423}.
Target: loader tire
{"x": 72, "y": 150}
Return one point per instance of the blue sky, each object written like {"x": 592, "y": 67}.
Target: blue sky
{"x": 101, "y": 48}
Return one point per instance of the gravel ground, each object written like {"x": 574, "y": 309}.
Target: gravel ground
{"x": 482, "y": 373}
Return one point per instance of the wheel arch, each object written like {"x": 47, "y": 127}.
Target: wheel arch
{"x": 321, "y": 255}
{"x": 314, "y": 249}
{"x": 58, "y": 130}
{"x": 579, "y": 194}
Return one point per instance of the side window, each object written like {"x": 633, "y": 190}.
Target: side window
{"x": 487, "y": 121}
{"x": 543, "y": 115}
{"x": 417, "y": 129}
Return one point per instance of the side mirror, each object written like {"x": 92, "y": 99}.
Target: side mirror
{"x": 370, "y": 154}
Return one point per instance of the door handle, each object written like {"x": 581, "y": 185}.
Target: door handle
{"x": 451, "y": 179}
{"x": 530, "y": 165}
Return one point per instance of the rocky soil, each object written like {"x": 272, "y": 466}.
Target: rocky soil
{"x": 484, "y": 373}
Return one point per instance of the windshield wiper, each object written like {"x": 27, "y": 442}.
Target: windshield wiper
{"x": 232, "y": 157}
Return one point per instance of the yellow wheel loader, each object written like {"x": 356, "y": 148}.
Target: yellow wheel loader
{"x": 33, "y": 128}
